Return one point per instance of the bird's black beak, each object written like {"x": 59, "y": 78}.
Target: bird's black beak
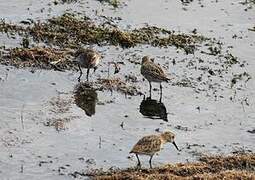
{"x": 175, "y": 145}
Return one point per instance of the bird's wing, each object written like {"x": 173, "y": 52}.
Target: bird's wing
{"x": 147, "y": 145}
{"x": 91, "y": 57}
{"x": 153, "y": 70}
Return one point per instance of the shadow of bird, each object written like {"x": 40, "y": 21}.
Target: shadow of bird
{"x": 153, "y": 109}
{"x": 86, "y": 98}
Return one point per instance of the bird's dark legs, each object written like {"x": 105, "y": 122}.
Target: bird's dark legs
{"x": 150, "y": 161}
{"x": 108, "y": 73}
{"x": 139, "y": 163}
{"x": 150, "y": 88}
{"x": 160, "y": 86}
{"x": 160, "y": 93}
{"x": 79, "y": 78}
{"x": 88, "y": 74}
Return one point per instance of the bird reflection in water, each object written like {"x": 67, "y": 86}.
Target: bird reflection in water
{"x": 86, "y": 97}
{"x": 153, "y": 109}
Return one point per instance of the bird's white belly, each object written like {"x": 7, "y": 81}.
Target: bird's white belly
{"x": 97, "y": 62}
{"x": 153, "y": 79}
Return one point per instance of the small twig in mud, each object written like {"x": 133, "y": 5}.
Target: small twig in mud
{"x": 100, "y": 142}
{"x": 251, "y": 131}
{"x": 21, "y": 117}
{"x": 198, "y": 108}
{"x": 246, "y": 103}
{"x": 122, "y": 125}
{"x": 6, "y": 75}
{"x": 21, "y": 168}
{"x": 116, "y": 68}
{"x": 234, "y": 96}
{"x": 243, "y": 106}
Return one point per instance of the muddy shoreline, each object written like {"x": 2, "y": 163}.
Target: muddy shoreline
{"x": 54, "y": 127}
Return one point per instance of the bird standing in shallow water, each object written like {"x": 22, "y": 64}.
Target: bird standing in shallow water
{"x": 149, "y": 145}
{"x": 87, "y": 58}
{"x": 153, "y": 73}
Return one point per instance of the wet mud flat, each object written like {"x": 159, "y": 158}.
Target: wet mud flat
{"x": 68, "y": 32}
{"x": 53, "y": 127}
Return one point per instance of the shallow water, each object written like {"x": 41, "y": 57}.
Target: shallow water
{"x": 30, "y": 102}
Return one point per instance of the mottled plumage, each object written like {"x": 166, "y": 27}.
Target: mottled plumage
{"x": 151, "y": 144}
{"x": 153, "y": 72}
{"x": 87, "y": 58}
{"x": 148, "y": 145}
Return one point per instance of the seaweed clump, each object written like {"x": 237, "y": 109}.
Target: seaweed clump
{"x": 70, "y": 30}
{"x": 39, "y": 57}
{"x": 248, "y": 3}
{"x": 56, "y": 2}
{"x": 118, "y": 85}
{"x": 240, "y": 166}
{"x": 113, "y": 3}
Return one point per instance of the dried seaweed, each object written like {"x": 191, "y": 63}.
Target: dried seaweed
{"x": 118, "y": 85}
{"x": 44, "y": 58}
{"x": 70, "y": 30}
{"x": 240, "y": 166}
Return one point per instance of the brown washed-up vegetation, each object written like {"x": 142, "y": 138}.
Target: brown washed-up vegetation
{"x": 107, "y": 84}
{"x": 118, "y": 85}
{"x": 70, "y": 30}
{"x": 64, "y": 1}
{"x": 39, "y": 57}
{"x": 113, "y": 3}
{"x": 240, "y": 166}
{"x": 248, "y": 2}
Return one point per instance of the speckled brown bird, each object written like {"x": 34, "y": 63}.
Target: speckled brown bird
{"x": 153, "y": 72}
{"x": 87, "y": 58}
{"x": 151, "y": 144}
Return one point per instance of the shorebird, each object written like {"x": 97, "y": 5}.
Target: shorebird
{"x": 153, "y": 73}
{"x": 151, "y": 144}
{"x": 87, "y": 58}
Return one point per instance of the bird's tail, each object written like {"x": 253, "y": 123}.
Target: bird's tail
{"x": 168, "y": 79}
